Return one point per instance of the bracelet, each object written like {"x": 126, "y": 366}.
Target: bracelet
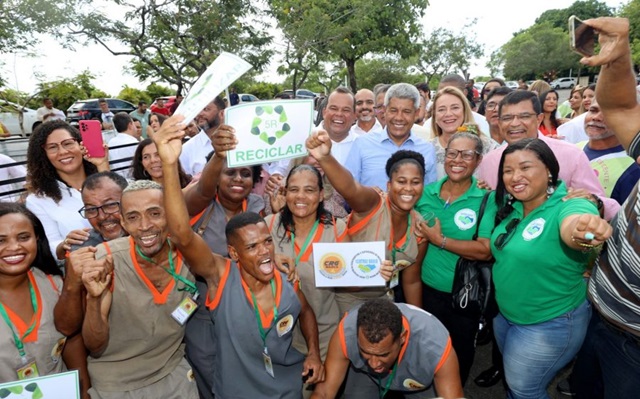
{"x": 585, "y": 245}
{"x": 444, "y": 242}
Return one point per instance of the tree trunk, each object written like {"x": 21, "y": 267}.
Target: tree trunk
{"x": 351, "y": 71}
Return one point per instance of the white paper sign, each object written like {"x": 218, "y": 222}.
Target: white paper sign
{"x": 223, "y": 71}
{"x": 349, "y": 264}
{"x": 269, "y": 131}
{"x": 54, "y": 386}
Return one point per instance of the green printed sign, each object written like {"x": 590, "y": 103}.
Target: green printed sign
{"x": 269, "y": 131}
{"x": 53, "y": 386}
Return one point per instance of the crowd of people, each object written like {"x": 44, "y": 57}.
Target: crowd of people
{"x": 159, "y": 271}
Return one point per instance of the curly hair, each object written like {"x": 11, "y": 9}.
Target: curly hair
{"x": 286, "y": 217}
{"x": 401, "y": 157}
{"x": 43, "y": 260}
{"x": 378, "y": 318}
{"x": 139, "y": 173}
{"x": 41, "y": 174}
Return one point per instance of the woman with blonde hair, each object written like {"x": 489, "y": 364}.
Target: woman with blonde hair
{"x": 539, "y": 87}
{"x": 452, "y": 114}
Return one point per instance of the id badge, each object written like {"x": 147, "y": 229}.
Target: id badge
{"x": 399, "y": 266}
{"x": 27, "y": 368}
{"x": 395, "y": 280}
{"x": 184, "y": 310}
{"x": 268, "y": 365}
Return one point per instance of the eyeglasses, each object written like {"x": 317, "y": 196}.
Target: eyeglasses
{"x": 491, "y": 105}
{"x": 523, "y": 117}
{"x": 67, "y": 144}
{"x": 467, "y": 155}
{"x": 504, "y": 238}
{"x": 92, "y": 212}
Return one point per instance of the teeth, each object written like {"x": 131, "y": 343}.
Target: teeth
{"x": 266, "y": 261}
{"x": 457, "y": 168}
{"x": 406, "y": 197}
{"x": 14, "y": 258}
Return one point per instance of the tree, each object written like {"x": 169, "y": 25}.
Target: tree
{"x": 631, "y": 10}
{"x": 176, "y": 40}
{"x": 582, "y": 9}
{"x": 134, "y": 95}
{"x": 356, "y": 28}
{"x": 444, "y": 51}
{"x": 22, "y": 20}
{"x": 154, "y": 90}
{"x": 539, "y": 50}
{"x": 65, "y": 92}
{"x": 385, "y": 70}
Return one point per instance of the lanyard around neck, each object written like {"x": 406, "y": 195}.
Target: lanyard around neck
{"x": 394, "y": 247}
{"x": 304, "y": 247}
{"x": 383, "y": 391}
{"x": 18, "y": 340}
{"x": 263, "y": 333}
{"x": 188, "y": 285}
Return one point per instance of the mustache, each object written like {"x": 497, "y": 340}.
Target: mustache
{"x": 596, "y": 125}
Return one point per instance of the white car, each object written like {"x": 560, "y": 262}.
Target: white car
{"x": 564, "y": 83}
{"x": 512, "y": 84}
{"x": 11, "y": 114}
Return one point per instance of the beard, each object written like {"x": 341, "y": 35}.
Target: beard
{"x": 210, "y": 124}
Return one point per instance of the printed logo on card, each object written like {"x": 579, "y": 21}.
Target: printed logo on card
{"x": 533, "y": 229}
{"x": 412, "y": 384}
{"x": 284, "y": 325}
{"x": 332, "y": 265}
{"x": 270, "y": 123}
{"x": 366, "y": 264}
{"x": 465, "y": 218}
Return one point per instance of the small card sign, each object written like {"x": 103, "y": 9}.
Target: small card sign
{"x": 349, "y": 264}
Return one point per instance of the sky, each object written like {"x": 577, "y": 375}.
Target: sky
{"x": 497, "y": 20}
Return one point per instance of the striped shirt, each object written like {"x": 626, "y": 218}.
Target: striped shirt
{"x": 614, "y": 288}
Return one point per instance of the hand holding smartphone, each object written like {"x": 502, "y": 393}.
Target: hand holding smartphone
{"x": 91, "y": 132}
{"x": 582, "y": 37}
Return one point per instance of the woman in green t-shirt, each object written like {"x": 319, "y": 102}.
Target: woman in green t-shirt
{"x": 542, "y": 245}
{"x": 450, "y": 208}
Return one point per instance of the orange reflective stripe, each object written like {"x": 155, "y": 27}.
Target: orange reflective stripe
{"x": 363, "y": 222}
{"x": 445, "y": 355}
{"x": 53, "y": 284}
{"x": 159, "y": 298}
{"x": 265, "y": 318}
{"x": 407, "y": 328}
{"x": 197, "y": 217}
{"x": 317, "y": 238}
{"x": 19, "y": 324}
{"x": 212, "y": 304}
{"x": 343, "y": 341}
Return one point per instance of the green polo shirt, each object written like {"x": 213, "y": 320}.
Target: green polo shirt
{"x": 536, "y": 275}
{"x": 458, "y": 221}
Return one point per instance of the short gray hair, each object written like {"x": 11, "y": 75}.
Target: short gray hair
{"x": 403, "y": 91}
{"x": 140, "y": 185}
{"x": 380, "y": 88}
{"x": 469, "y": 136}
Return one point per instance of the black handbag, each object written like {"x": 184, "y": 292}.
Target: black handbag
{"x": 472, "y": 280}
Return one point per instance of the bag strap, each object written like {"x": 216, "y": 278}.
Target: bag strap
{"x": 205, "y": 221}
{"x": 483, "y": 205}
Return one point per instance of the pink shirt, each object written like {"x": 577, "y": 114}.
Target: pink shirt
{"x": 575, "y": 171}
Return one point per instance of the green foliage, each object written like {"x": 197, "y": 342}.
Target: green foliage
{"x": 390, "y": 70}
{"x": 263, "y": 90}
{"x": 444, "y": 51}
{"x": 631, "y": 10}
{"x": 176, "y": 40}
{"x": 351, "y": 29}
{"x": 134, "y": 95}
{"x": 65, "y": 92}
{"x": 22, "y": 20}
{"x": 581, "y": 9}
{"x": 155, "y": 90}
{"x": 20, "y": 97}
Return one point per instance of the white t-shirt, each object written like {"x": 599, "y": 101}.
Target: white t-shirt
{"x": 11, "y": 172}
{"x": 122, "y": 153}
{"x": 57, "y": 114}
{"x": 194, "y": 153}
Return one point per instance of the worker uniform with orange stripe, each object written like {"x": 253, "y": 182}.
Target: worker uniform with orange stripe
{"x": 242, "y": 369}
{"x": 145, "y": 354}
{"x": 377, "y": 226}
{"x": 209, "y": 224}
{"x": 43, "y": 343}
{"x": 321, "y": 300}
{"x": 424, "y": 351}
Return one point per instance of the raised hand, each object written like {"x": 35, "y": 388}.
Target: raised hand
{"x": 223, "y": 140}
{"x": 319, "y": 144}
{"x": 97, "y": 275}
{"x": 168, "y": 139}
{"x": 613, "y": 37}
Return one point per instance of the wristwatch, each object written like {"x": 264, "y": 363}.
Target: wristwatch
{"x": 596, "y": 200}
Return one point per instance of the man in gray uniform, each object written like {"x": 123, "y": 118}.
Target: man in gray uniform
{"x": 398, "y": 347}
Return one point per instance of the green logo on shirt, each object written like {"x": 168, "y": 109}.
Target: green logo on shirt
{"x": 465, "y": 218}
{"x": 533, "y": 229}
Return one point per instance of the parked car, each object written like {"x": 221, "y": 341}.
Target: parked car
{"x": 512, "y": 84}
{"x": 247, "y": 98}
{"x": 300, "y": 93}
{"x": 168, "y": 102}
{"x": 11, "y": 114}
{"x": 89, "y": 109}
{"x": 564, "y": 83}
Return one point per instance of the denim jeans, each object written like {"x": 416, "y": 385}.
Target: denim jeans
{"x": 533, "y": 354}
{"x": 608, "y": 364}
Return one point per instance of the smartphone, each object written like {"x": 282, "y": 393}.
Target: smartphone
{"x": 91, "y": 132}
{"x": 582, "y": 37}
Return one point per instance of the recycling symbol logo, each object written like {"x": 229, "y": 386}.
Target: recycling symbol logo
{"x": 270, "y": 123}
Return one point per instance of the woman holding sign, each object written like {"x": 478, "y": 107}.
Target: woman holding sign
{"x": 301, "y": 222}
{"x": 30, "y": 283}
{"x": 389, "y": 218}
